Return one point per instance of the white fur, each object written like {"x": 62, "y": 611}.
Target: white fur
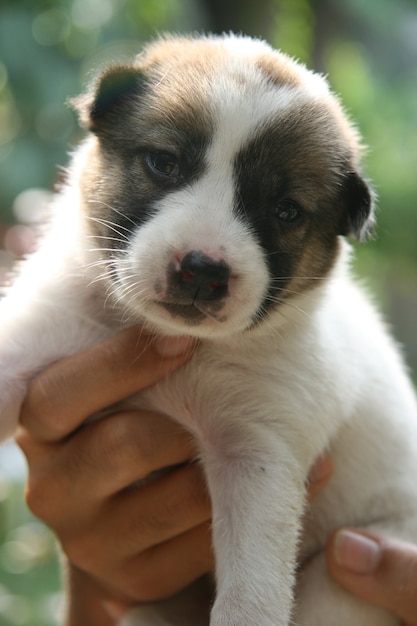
{"x": 320, "y": 373}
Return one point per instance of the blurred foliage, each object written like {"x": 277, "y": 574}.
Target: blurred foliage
{"x": 30, "y": 580}
{"x": 49, "y": 50}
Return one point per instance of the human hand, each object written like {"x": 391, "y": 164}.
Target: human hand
{"x": 379, "y": 569}
{"x": 123, "y": 543}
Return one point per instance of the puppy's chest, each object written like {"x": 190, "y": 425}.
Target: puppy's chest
{"x": 221, "y": 395}
{"x": 217, "y": 391}
{"x": 204, "y": 392}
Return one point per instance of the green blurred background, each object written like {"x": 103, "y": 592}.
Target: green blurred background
{"x": 48, "y": 52}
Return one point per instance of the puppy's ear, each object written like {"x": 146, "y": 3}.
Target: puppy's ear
{"x": 114, "y": 90}
{"x": 359, "y": 220}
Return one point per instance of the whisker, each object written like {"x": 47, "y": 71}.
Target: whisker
{"x": 206, "y": 313}
{"x": 281, "y": 278}
{"x": 289, "y": 304}
{"x": 112, "y": 226}
{"x": 106, "y": 250}
{"x": 284, "y": 291}
{"x": 107, "y": 238}
{"x": 112, "y": 208}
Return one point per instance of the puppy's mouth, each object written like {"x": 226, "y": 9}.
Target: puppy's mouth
{"x": 197, "y": 287}
{"x": 194, "y": 312}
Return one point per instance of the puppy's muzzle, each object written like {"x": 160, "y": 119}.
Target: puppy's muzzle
{"x": 198, "y": 286}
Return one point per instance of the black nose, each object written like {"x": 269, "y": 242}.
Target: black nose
{"x": 203, "y": 278}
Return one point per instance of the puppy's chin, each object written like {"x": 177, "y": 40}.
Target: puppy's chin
{"x": 195, "y": 320}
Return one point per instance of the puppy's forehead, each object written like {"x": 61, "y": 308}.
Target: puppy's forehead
{"x": 186, "y": 62}
{"x": 224, "y": 80}
{"x": 235, "y": 86}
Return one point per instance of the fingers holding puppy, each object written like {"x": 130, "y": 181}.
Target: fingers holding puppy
{"x": 134, "y": 541}
{"x": 73, "y": 476}
{"x": 137, "y": 542}
{"x": 65, "y": 394}
{"x": 127, "y": 535}
{"x": 377, "y": 568}
{"x": 83, "y": 481}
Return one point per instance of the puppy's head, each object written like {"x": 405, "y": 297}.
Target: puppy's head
{"x": 219, "y": 179}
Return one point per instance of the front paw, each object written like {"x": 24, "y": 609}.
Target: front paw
{"x": 235, "y": 610}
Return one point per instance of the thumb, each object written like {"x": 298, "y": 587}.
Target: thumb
{"x": 378, "y": 569}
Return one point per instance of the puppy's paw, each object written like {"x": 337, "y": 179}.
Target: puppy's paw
{"x": 229, "y": 611}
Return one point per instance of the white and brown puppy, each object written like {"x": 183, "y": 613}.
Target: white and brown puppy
{"x": 211, "y": 198}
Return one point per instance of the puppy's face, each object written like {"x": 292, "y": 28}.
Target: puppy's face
{"x": 219, "y": 179}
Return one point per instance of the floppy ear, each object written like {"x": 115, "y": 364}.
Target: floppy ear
{"x": 359, "y": 197}
{"x": 107, "y": 98}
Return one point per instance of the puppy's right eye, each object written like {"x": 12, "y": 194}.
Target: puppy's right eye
{"x": 288, "y": 211}
{"x": 164, "y": 165}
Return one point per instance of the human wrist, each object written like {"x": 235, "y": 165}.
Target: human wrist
{"x": 88, "y": 603}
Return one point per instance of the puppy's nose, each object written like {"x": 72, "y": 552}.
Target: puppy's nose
{"x": 203, "y": 278}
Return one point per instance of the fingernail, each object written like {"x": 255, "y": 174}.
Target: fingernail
{"x": 321, "y": 470}
{"x": 356, "y": 552}
{"x": 173, "y": 346}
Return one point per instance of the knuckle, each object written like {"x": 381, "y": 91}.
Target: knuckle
{"x": 40, "y": 500}
{"x": 142, "y": 446}
{"x": 195, "y": 493}
{"x": 24, "y": 441}
{"x": 80, "y": 464}
{"x": 128, "y": 442}
{"x": 149, "y": 585}
{"x": 84, "y": 551}
{"x": 38, "y": 414}
{"x": 117, "y": 437}
{"x": 114, "y": 434}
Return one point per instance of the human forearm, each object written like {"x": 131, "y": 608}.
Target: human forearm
{"x": 87, "y": 602}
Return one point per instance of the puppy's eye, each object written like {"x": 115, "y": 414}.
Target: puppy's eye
{"x": 163, "y": 164}
{"x": 288, "y": 211}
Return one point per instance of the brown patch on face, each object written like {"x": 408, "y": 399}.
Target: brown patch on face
{"x": 280, "y": 69}
{"x": 160, "y": 102}
{"x": 315, "y": 261}
{"x": 99, "y": 181}
{"x": 179, "y": 72}
{"x": 306, "y": 155}
{"x": 198, "y": 56}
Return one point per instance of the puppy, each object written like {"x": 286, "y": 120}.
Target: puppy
{"x": 212, "y": 198}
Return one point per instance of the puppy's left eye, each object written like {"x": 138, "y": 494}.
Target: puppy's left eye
{"x": 163, "y": 164}
{"x": 288, "y": 211}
